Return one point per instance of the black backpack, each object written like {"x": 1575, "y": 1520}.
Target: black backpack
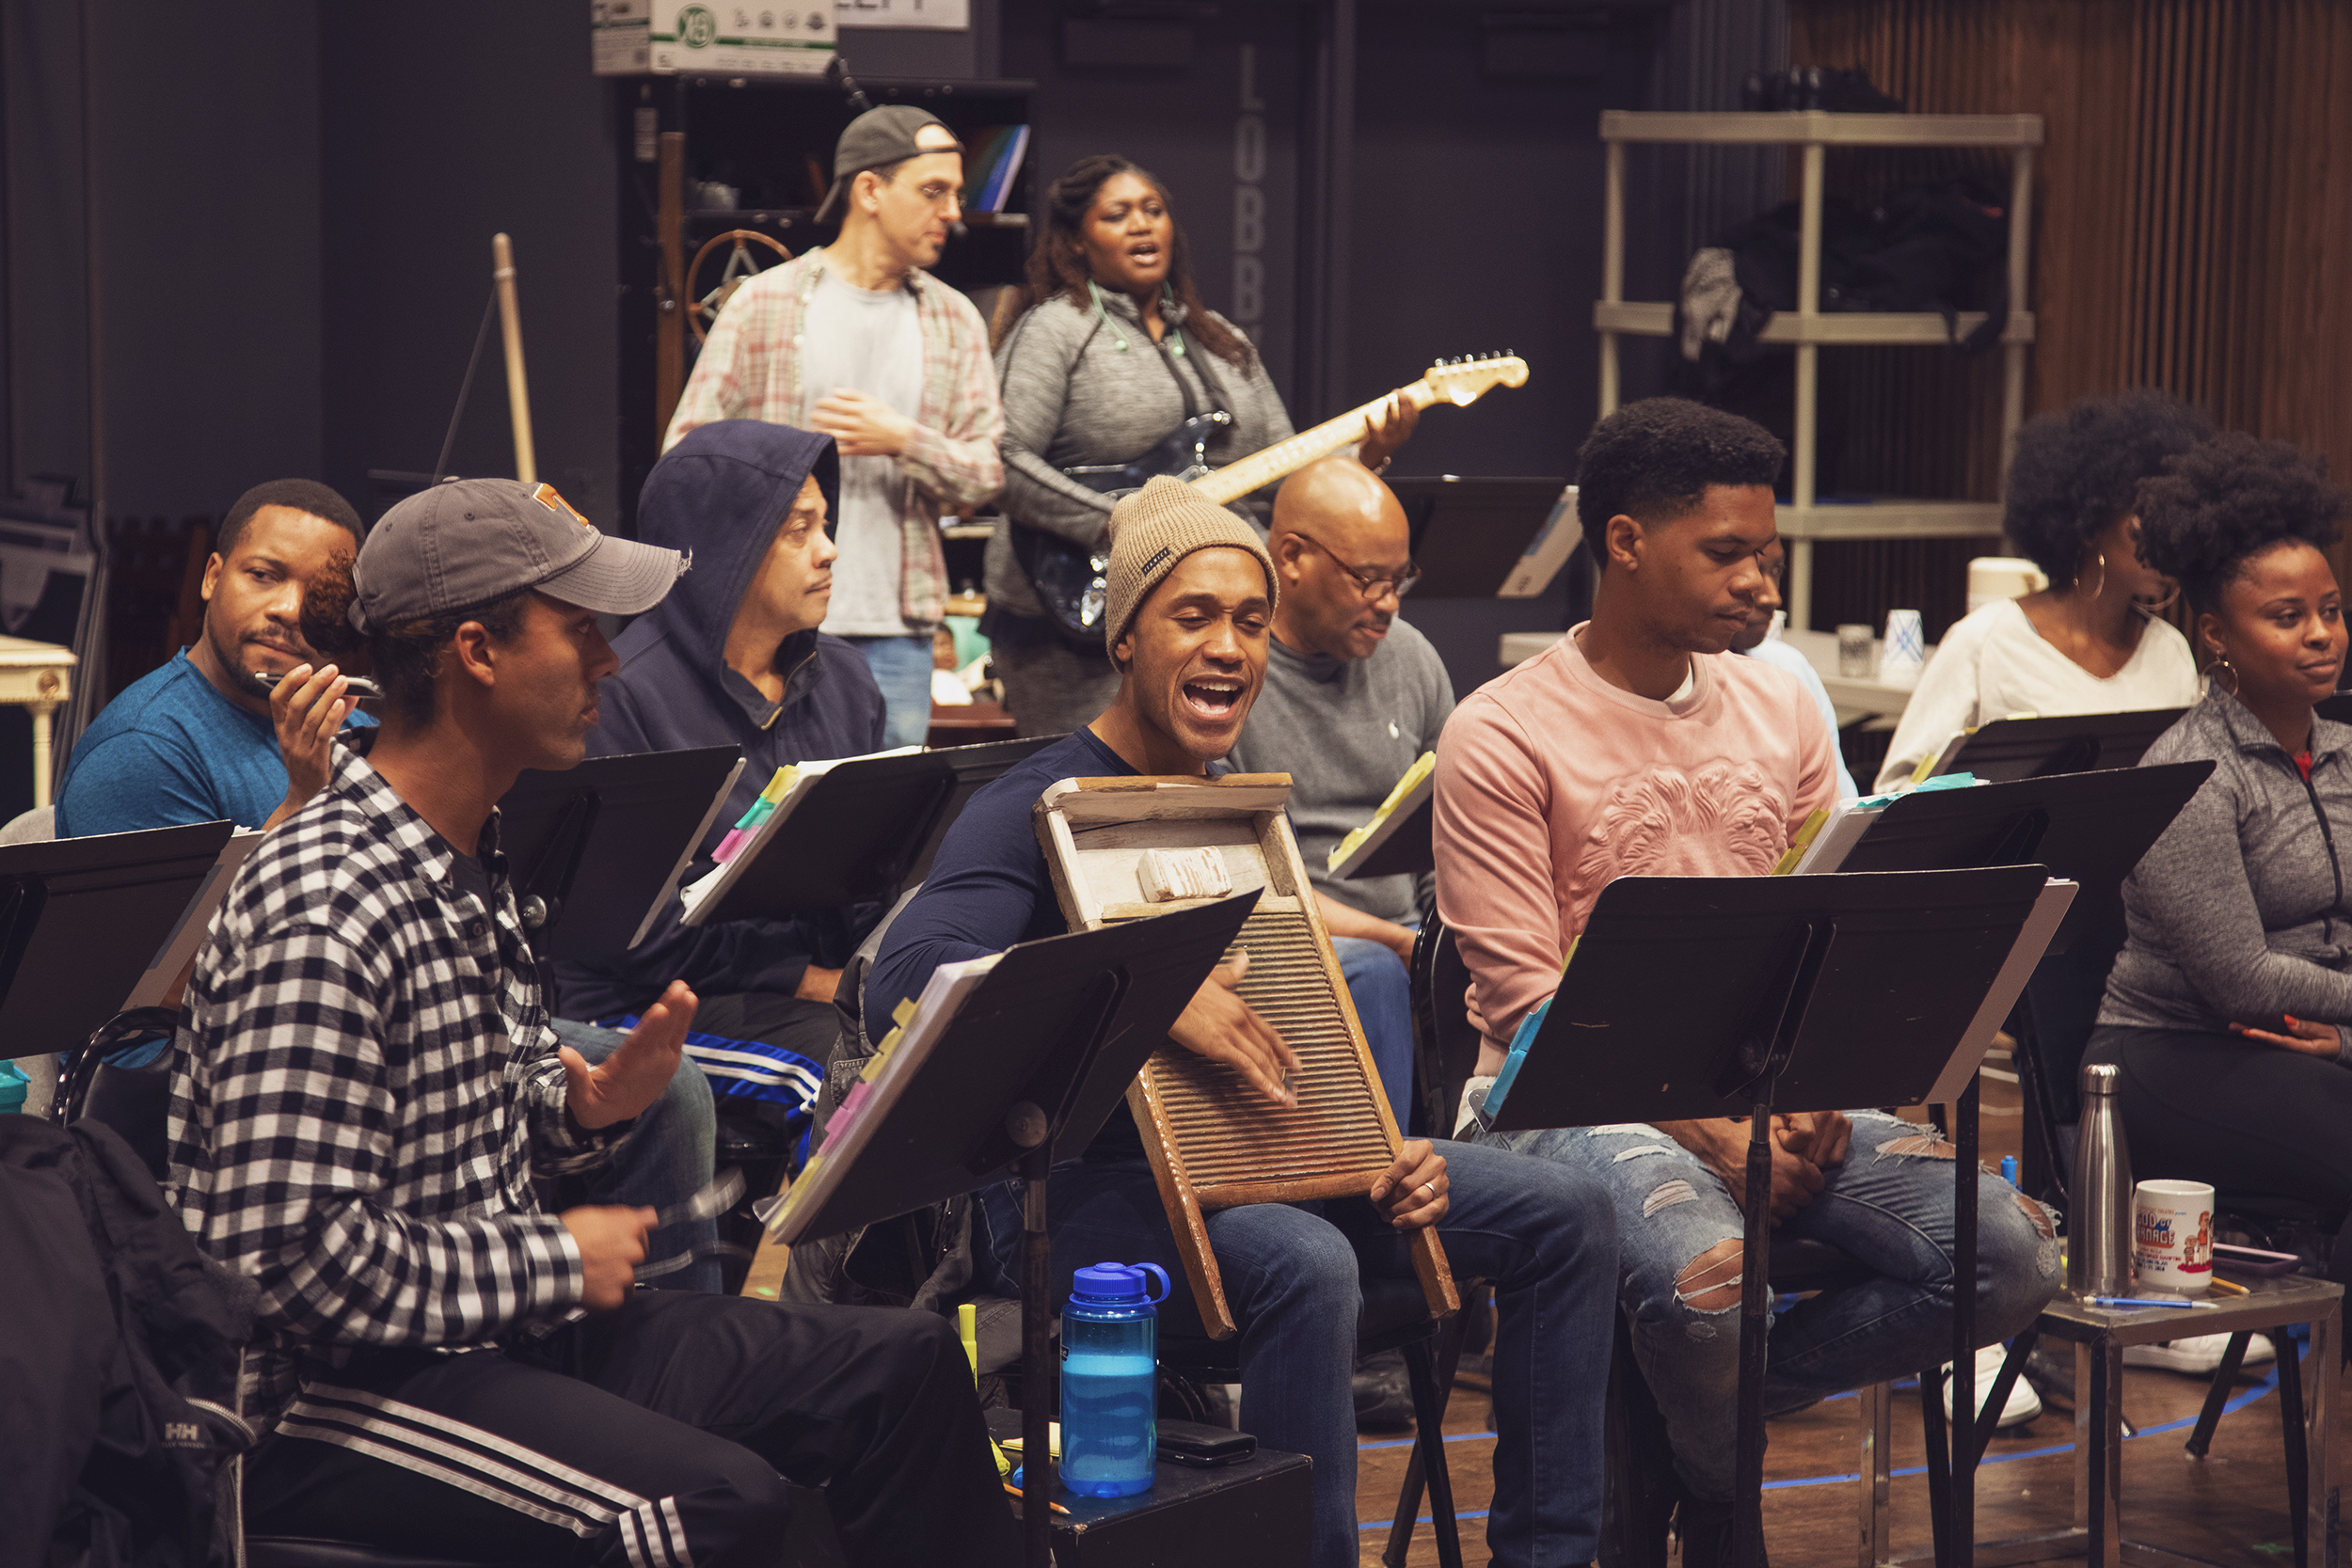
{"x": 120, "y": 1345}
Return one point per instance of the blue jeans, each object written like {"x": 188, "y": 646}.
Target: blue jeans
{"x": 667, "y": 1159}
{"x": 902, "y": 667}
{"x": 1383, "y": 994}
{"x": 1889, "y": 1206}
{"x": 1292, "y": 1274}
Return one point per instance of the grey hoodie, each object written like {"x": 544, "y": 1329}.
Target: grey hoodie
{"x": 1074, "y": 397}
{"x": 2239, "y": 913}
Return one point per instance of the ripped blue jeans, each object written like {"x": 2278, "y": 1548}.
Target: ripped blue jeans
{"x": 1889, "y": 1206}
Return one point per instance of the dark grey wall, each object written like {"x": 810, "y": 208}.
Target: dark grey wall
{"x": 444, "y": 122}
{"x": 1221, "y": 131}
{"x": 207, "y": 157}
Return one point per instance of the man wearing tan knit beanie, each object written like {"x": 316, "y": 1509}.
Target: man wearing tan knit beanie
{"x": 1191, "y": 594}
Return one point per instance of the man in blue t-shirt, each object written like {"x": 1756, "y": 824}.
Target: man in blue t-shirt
{"x": 1191, "y": 595}
{"x": 203, "y": 740}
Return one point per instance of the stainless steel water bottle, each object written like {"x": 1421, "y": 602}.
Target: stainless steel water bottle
{"x": 2099, "y": 1211}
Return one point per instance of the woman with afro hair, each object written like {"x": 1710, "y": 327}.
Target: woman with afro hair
{"x": 2089, "y": 643}
{"x": 2228, "y": 1009}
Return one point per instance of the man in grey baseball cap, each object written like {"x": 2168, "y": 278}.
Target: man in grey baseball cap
{"x": 470, "y": 542}
{"x": 376, "y": 1095}
{"x": 874, "y": 141}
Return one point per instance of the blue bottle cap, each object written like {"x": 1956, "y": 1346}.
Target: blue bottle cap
{"x": 1117, "y": 1282}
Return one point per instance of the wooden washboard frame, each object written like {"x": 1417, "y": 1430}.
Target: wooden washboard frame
{"x": 1213, "y": 1143}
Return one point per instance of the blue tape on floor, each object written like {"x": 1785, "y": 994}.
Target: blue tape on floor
{"x": 2269, "y": 1385}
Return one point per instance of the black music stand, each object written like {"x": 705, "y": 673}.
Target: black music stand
{"x": 1467, "y": 533}
{"x": 628, "y": 825}
{"x": 858, "y": 833}
{"x": 2090, "y": 829}
{"x": 81, "y": 921}
{"x": 1821, "y": 992}
{"x": 2037, "y": 748}
{"x": 1041, "y": 1052}
{"x": 975, "y": 768}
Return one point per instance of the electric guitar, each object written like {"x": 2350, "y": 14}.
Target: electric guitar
{"x": 1069, "y": 578}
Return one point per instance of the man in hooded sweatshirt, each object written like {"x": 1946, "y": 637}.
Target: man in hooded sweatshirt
{"x": 733, "y": 658}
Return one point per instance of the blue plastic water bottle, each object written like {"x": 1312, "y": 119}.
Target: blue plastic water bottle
{"x": 1109, "y": 1380}
{"x": 2009, "y": 1169}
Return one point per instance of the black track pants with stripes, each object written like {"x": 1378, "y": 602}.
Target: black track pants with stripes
{"x": 650, "y": 1437}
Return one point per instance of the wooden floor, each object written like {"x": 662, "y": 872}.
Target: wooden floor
{"x": 2230, "y": 1508}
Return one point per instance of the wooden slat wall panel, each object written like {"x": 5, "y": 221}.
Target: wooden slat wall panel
{"x": 2195, "y": 224}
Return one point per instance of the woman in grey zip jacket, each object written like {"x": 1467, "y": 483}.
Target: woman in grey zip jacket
{"x": 2229, "y": 1008}
{"x": 1114, "y": 350}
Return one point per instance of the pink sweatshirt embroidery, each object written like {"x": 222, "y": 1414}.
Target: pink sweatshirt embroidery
{"x": 1552, "y": 782}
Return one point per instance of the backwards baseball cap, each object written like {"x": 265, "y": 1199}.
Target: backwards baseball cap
{"x": 877, "y": 136}
{"x": 468, "y": 541}
{"x": 1154, "y": 529}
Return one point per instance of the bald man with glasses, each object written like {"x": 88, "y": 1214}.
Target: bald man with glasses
{"x": 1352, "y": 694}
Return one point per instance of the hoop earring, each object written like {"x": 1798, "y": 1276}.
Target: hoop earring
{"x": 2213, "y": 672}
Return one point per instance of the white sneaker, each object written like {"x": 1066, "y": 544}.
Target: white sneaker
{"x": 2023, "y": 1403}
{"x": 2198, "y": 1355}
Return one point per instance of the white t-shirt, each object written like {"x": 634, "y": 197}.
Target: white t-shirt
{"x": 1993, "y": 665}
{"x": 870, "y": 339}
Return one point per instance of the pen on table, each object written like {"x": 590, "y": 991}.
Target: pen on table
{"x": 2148, "y": 1301}
{"x": 1014, "y": 1491}
{"x": 2230, "y": 1288}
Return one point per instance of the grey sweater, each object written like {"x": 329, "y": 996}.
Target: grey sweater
{"x": 2239, "y": 913}
{"x": 1074, "y": 397}
{"x": 1346, "y": 729}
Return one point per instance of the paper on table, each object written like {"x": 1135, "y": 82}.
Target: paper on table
{"x": 195, "y": 922}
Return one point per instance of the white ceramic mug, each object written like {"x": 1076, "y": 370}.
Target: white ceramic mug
{"x": 2172, "y": 1236}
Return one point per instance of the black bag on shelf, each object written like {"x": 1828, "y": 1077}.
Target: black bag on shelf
{"x": 1813, "y": 86}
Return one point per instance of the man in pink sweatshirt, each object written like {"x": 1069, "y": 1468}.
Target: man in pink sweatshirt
{"x": 1637, "y": 745}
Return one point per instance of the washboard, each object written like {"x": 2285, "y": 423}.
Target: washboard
{"x": 1214, "y": 1142}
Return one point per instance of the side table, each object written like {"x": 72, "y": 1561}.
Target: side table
{"x": 36, "y": 675}
{"x": 2099, "y": 1335}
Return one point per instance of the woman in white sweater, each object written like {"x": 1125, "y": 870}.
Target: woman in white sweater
{"x": 2089, "y": 642}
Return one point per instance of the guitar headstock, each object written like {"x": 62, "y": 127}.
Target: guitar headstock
{"x": 1463, "y": 381}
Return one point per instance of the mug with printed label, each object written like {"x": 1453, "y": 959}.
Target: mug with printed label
{"x": 2172, "y": 1236}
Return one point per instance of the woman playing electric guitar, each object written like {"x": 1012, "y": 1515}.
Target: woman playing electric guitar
{"x": 1109, "y": 353}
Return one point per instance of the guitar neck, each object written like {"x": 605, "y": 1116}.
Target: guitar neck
{"x": 1261, "y": 469}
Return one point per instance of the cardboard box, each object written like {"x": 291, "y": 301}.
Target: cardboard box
{"x": 712, "y": 37}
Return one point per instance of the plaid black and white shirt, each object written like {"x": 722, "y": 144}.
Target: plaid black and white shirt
{"x": 363, "y": 1087}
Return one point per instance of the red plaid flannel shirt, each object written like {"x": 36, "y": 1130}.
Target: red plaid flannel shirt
{"x": 748, "y": 370}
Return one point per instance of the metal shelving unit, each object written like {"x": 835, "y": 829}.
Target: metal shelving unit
{"x": 1808, "y": 329}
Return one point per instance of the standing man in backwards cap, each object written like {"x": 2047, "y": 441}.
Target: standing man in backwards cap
{"x": 856, "y": 341}
{"x": 367, "y": 1089}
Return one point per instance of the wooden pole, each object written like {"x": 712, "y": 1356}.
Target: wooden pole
{"x": 517, "y": 385}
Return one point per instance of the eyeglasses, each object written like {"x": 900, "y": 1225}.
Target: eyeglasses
{"x": 1372, "y": 584}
